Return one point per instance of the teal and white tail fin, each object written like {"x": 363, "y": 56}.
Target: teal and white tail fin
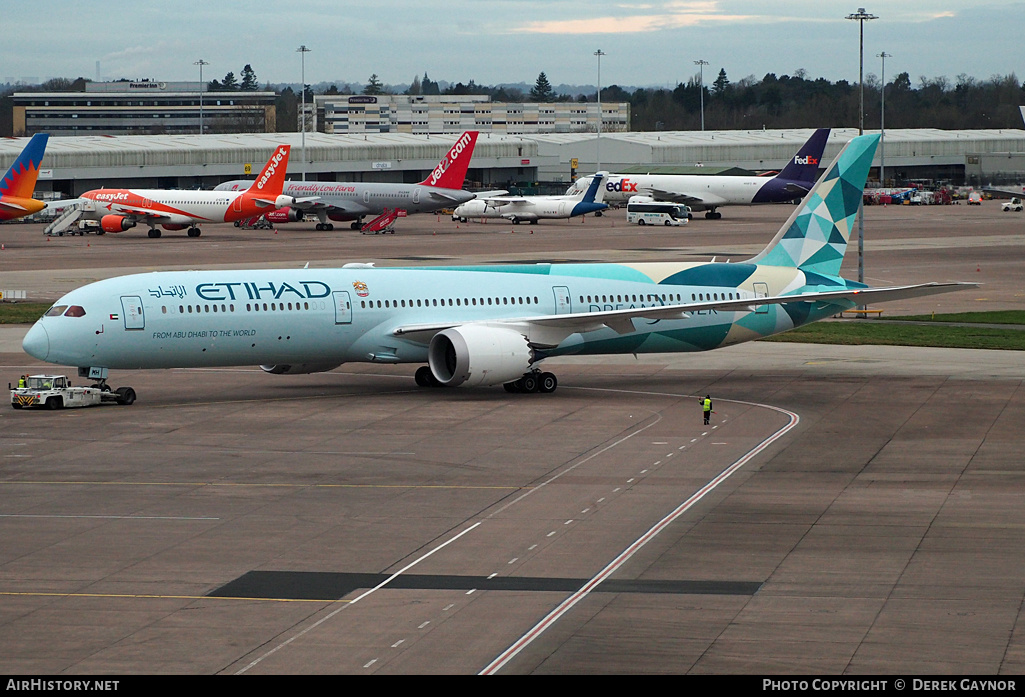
{"x": 815, "y": 237}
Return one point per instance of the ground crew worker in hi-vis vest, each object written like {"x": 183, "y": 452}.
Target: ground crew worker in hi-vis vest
{"x": 706, "y": 406}
{"x": 21, "y": 383}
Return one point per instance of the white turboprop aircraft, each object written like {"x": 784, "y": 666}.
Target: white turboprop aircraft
{"x": 709, "y": 192}
{"x": 340, "y": 201}
{"x": 470, "y": 326}
{"x": 534, "y": 208}
{"x": 117, "y": 210}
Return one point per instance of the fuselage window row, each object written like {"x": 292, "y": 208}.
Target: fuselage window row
{"x": 449, "y": 302}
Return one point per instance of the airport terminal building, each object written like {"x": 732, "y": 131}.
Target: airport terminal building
{"x": 73, "y": 165}
{"x": 143, "y": 107}
{"x": 399, "y": 113}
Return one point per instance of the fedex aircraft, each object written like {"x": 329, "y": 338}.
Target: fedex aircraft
{"x": 20, "y": 181}
{"x": 534, "y": 208}
{"x": 118, "y": 210}
{"x": 353, "y": 201}
{"x": 474, "y": 325}
{"x": 708, "y": 193}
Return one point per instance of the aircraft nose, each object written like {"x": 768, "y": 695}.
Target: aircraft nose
{"x": 37, "y": 343}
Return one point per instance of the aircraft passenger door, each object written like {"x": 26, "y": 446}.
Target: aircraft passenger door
{"x": 132, "y": 307}
{"x": 416, "y": 196}
{"x": 236, "y": 205}
{"x": 761, "y": 291}
{"x": 562, "y": 300}
{"x": 343, "y": 308}
{"x": 366, "y": 196}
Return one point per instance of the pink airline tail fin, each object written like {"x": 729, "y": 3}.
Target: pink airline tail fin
{"x": 271, "y": 180}
{"x": 451, "y": 171}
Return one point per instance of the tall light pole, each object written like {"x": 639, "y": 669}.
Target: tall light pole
{"x": 302, "y": 51}
{"x": 599, "y": 53}
{"x": 861, "y": 17}
{"x": 202, "y": 88}
{"x": 701, "y": 63}
{"x": 882, "y": 121}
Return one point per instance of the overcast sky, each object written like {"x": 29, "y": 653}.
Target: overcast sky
{"x": 495, "y": 41}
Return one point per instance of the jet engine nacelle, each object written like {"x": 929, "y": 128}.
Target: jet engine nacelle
{"x": 472, "y": 355}
{"x": 298, "y": 368}
{"x": 282, "y": 201}
{"x": 285, "y": 215}
{"x": 116, "y": 223}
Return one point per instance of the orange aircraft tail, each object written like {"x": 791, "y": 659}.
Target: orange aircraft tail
{"x": 271, "y": 180}
{"x": 19, "y": 183}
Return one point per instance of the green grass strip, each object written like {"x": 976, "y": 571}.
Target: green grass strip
{"x": 999, "y": 317}
{"x": 22, "y": 313}
{"x": 894, "y": 334}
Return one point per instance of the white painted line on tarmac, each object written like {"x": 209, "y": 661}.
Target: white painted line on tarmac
{"x": 382, "y": 584}
{"x": 566, "y": 605}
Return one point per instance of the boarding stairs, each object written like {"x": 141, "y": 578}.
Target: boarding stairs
{"x": 383, "y": 224}
{"x": 66, "y": 219}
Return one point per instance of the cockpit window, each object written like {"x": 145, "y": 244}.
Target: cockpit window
{"x": 75, "y": 311}
{"x": 56, "y": 311}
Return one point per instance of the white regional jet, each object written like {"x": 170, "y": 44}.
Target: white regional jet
{"x": 709, "y": 192}
{"x": 474, "y": 325}
{"x": 534, "y": 208}
{"x": 340, "y": 201}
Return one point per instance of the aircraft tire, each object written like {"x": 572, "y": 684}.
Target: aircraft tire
{"x": 423, "y": 376}
{"x": 530, "y": 382}
{"x": 195, "y": 232}
{"x": 548, "y": 383}
{"x": 509, "y": 387}
{"x": 154, "y": 234}
{"x": 125, "y": 395}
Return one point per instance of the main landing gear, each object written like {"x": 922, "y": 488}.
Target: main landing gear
{"x": 713, "y": 214}
{"x": 195, "y": 232}
{"x": 534, "y": 381}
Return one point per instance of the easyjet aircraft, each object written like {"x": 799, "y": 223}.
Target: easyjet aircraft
{"x": 20, "y": 181}
{"x": 353, "y": 201}
{"x": 118, "y": 210}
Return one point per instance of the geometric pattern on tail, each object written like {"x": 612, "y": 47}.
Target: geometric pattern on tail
{"x": 817, "y": 237}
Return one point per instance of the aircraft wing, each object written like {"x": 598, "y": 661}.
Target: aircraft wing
{"x": 481, "y": 195}
{"x": 1003, "y": 192}
{"x": 796, "y": 189}
{"x": 440, "y": 195}
{"x": 502, "y": 201}
{"x": 551, "y": 330}
{"x": 144, "y": 214}
{"x": 673, "y": 196}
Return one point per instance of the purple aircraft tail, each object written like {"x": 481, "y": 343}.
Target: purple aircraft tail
{"x": 804, "y": 167}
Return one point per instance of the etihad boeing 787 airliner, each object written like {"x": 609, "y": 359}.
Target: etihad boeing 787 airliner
{"x": 476, "y": 325}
